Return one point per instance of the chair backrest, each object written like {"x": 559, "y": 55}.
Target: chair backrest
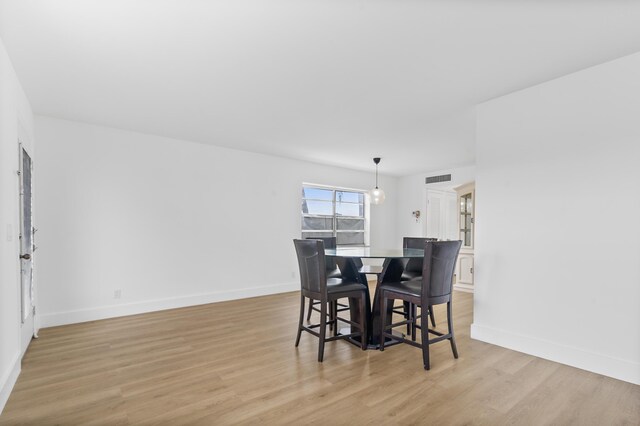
{"x": 415, "y": 264}
{"x": 437, "y": 271}
{"x": 329, "y": 243}
{"x": 313, "y": 275}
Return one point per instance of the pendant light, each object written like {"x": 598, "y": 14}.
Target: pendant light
{"x": 377, "y": 194}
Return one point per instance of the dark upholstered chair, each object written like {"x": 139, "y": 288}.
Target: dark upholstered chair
{"x": 433, "y": 289}
{"x": 413, "y": 271}
{"x": 332, "y": 272}
{"x": 316, "y": 286}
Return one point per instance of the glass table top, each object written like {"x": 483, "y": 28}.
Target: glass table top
{"x": 372, "y": 252}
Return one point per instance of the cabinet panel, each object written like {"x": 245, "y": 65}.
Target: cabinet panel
{"x": 465, "y": 269}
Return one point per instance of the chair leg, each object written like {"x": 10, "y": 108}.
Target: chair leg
{"x": 310, "y": 309}
{"x": 432, "y": 317}
{"x": 363, "y": 325}
{"x": 414, "y": 310}
{"x": 334, "y": 317}
{"x": 330, "y": 308}
{"x": 383, "y": 319}
{"x": 407, "y": 312}
{"x": 424, "y": 334}
{"x": 452, "y": 339}
{"x": 323, "y": 330}
{"x": 301, "y": 319}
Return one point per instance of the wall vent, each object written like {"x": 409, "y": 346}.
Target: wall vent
{"x": 436, "y": 179}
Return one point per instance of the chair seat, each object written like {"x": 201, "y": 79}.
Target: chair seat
{"x": 410, "y": 288}
{"x": 338, "y": 285}
{"x": 411, "y": 275}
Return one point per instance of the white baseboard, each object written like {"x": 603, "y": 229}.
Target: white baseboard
{"x": 8, "y": 380}
{"x": 112, "y": 311}
{"x": 621, "y": 369}
{"x": 467, "y": 288}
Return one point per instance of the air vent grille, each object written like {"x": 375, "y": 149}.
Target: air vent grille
{"x": 436, "y": 179}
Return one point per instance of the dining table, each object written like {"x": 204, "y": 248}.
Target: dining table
{"x": 352, "y": 268}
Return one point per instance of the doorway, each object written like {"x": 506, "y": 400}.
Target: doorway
{"x": 26, "y": 248}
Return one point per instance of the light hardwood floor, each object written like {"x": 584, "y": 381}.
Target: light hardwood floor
{"x": 234, "y": 362}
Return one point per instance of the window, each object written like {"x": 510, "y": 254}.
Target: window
{"x": 329, "y": 212}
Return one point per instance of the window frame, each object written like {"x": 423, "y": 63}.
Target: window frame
{"x": 334, "y": 218}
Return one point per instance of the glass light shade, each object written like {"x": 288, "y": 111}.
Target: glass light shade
{"x": 377, "y": 196}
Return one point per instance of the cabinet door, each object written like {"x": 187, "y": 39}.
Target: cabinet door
{"x": 465, "y": 211}
{"x": 465, "y": 263}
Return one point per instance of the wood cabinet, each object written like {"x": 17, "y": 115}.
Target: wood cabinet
{"x": 466, "y": 233}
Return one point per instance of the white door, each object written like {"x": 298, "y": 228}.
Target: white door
{"x": 26, "y": 247}
{"x": 442, "y": 220}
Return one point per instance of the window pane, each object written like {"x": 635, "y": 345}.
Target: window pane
{"x": 316, "y": 234}
{"x": 345, "y": 209}
{"x": 328, "y": 212}
{"x": 350, "y": 197}
{"x": 350, "y": 238}
{"x": 317, "y": 207}
{"x": 317, "y": 193}
{"x": 319, "y": 223}
{"x": 350, "y": 224}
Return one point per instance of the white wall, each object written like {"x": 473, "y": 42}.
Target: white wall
{"x": 169, "y": 223}
{"x": 412, "y": 196}
{"x": 15, "y": 119}
{"x": 557, "y": 236}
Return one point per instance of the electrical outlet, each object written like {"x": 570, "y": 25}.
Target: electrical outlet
{"x": 117, "y": 294}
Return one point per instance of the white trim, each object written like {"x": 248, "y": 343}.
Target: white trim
{"x": 9, "y": 380}
{"x": 339, "y": 188}
{"x": 621, "y": 369}
{"x": 112, "y": 311}
{"x": 467, "y": 288}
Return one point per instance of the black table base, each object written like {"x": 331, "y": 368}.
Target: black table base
{"x": 392, "y": 272}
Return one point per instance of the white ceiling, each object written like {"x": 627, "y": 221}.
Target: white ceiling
{"x": 331, "y": 81}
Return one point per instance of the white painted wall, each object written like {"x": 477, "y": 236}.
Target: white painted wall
{"x": 412, "y": 195}
{"x": 557, "y": 253}
{"x": 15, "y": 118}
{"x": 170, "y": 223}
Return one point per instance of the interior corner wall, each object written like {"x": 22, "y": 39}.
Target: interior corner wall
{"x": 169, "y": 223}
{"x": 16, "y": 120}
{"x": 557, "y": 258}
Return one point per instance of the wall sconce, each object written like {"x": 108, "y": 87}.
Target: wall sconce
{"x": 416, "y": 214}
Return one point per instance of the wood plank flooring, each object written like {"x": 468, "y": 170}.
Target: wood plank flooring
{"x": 235, "y": 363}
